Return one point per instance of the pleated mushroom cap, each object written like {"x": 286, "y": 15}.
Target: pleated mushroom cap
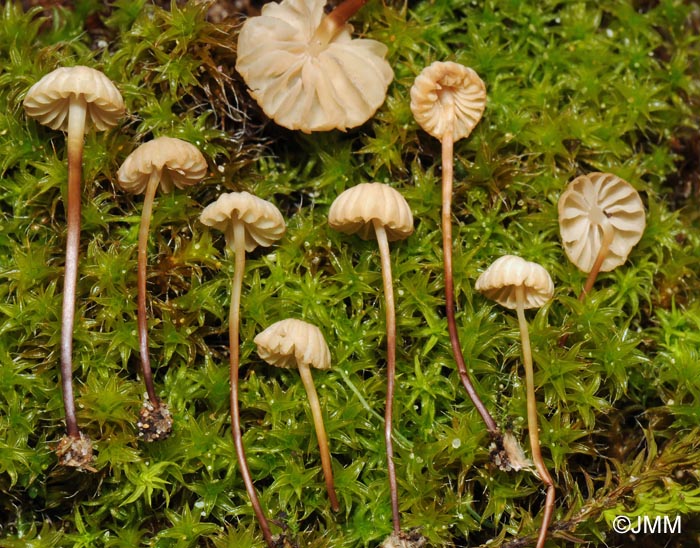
{"x": 264, "y": 223}
{"x": 498, "y": 282}
{"x": 289, "y": 342}
{"x": 48, "y": 100}
{"x": 180, "y": 164}
{"x": 443, "y": 82}
{"x": 304, "y": 85}
{"x": 355, "y": 209}
{"x": 589, "y": 201}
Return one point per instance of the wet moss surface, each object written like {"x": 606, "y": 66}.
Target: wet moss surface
{"x": 572, "y": 87}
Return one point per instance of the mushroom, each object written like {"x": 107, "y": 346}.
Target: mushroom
{"x": 70, "y": 99}
{"x": 294, "y": 343}
{"x": 601, "y": 218}
{"x": 447, "y": 101}
{"x": 168, "y": 163}
{"x": 518, "y": 284}
{"x": 247, "y": 222}
{"x": 377, "y": 210}
{"x": 304, "y": 69}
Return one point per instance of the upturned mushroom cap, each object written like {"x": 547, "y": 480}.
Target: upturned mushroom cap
{"x": 498, "y": 282}
{"x": 289, "y": 342}
{"x": 49, "y": 98}
{"x": 587, "y": 202}
{"x": 356, "y": 208}
{"x": 264, "y": 223}
{"x": 180, "y": 164}
{"x": 308, "y": 86}
{"x": 448, "y": 80}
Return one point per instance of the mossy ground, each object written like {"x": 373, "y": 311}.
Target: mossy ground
{"x": 573, "y": 86}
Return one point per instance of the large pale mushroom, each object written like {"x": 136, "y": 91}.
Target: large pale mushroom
{"x": 601, "y": 218}
{"x": 71, "y": 99}
{"x": 247, "y": 222}
{"x": 297, "y": 344}
{"x": 518, "y": 284}
{"x": 377, "y": 210}
{"x": 164, "y": 162}
{"x": 447, "y": 101}
{"x": 304, "y": 69}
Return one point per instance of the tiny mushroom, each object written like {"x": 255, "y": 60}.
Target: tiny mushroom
{"x": 247, "y": 222}
{"x": 70, "y": 99}
{"x": 601, "y": 218}
{"x": 377, "y": 210}
{"x": 294, "y": 343}
{"x": 164, "y": 162}
{"x": 447, "y": 101}
{"x": 304, "y": 69}
{"x": 518, "y": 284}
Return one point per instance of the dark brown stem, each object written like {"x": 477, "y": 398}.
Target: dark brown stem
{"x": 447, "y": 175}
{"x": 141, "y": 301}
{"x": 332, "y": 23}
{"x": 76, "y": 136}
{"x": 237, "y": 236}
{"x": 390, "y": 368}
{"x": 532, "y": 420}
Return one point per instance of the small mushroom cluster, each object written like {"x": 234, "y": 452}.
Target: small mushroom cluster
{"x": 307, "y": 78}
{"x": 72, "y": 99}
{"x": 601, "y": 218}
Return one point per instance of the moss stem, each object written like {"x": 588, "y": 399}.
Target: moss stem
{"x": 447, "y": 176}
{"x": 390, "y": 312}
{"x": 76, "y": 137}
{"x": 237, "y": 236}
{"x": 149, "y": 196}
{"x": 402, "y": 440}
{"x": 532, "y": 420}
{"x": 317, "y": 416}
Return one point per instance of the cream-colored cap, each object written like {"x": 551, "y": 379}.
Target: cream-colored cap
{"x": 48, "y": 100}
{"x": 289, "y": 342}
{"x": 264, "y": 223}
{"x": 441, "y": 83}
{"x": 179, "y": 163}
{"x": 588, "y": 202}
{"x": 306, "y": 86}
{"x": 498, "y": 282}
{"x": 356, "y": 208}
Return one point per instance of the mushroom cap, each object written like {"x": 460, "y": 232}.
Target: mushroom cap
{"x": 180, "y": 164}
{"x": 48, "y": 100}
{"x": 590, "y": 200}
{"x": 289, "y": 342}
{"x": 498, "y": 282}
{"x": 357, "y": 207}
{"x": 264, "y": 223}
{"x": 307, "y": 86}
{"x": 447, "y": 80}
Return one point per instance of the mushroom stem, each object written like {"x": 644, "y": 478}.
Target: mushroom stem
{"x": 315, "y": 405}
{"x": 333, "y": 23}
{"x": 447, "y": 175}
{"x": 608, "y": 234}
{"x": 237, "y": 235}
{"x": 149, "y": 196}
{"x": 532, "y": 421}
{"x": 76, "y": 136}
{"x": 380, "y": 232}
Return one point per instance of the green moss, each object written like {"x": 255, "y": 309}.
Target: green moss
{"x": 572, "y": 87}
